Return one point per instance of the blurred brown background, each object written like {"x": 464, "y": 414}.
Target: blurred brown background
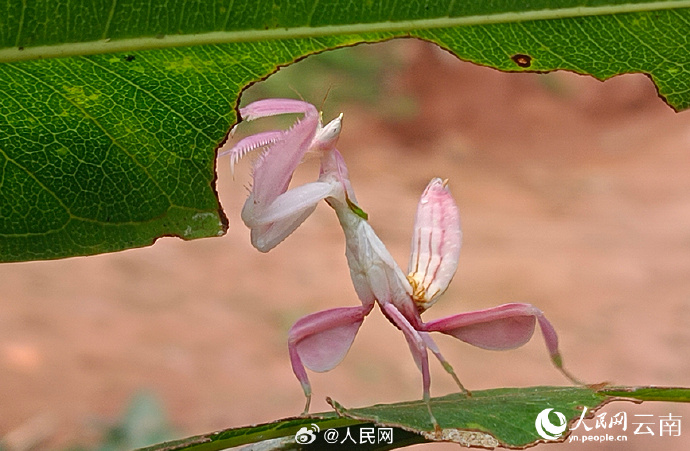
{"x": 574, "y": 196}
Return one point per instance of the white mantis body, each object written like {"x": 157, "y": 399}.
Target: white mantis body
{"x": 321, "y": 340}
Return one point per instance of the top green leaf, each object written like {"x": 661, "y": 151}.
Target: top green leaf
{"x": 107, "y": 152}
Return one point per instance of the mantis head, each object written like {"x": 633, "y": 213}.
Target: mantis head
{"x": 327, "y": 135}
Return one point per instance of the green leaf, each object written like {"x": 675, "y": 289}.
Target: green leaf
{"x": 499, "y": 417}
{"x": 105, "y": 151}
{"x": 102, "y": 153}
{"x": 673, "y": 394}
{"x": 278, "y": 430}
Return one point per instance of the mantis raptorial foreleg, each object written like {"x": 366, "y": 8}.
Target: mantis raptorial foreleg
{"x": 272, "y": 211}
{"x": 272, "y": 224}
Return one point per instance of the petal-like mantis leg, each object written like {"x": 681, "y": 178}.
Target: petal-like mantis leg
{"x": 271, "y": 211}
{"x": 265, "y": 108}
{"x": 325, "y": 136}
{"x": 507, "y": 326}
{"x": 272, "y": 224}
{"x": 259, "y": 109}
{"x": 248, "y": 144}
{"x": 321, "y": 340}
{"x": 273, "y": 170}
{"x": 274, "y": 107}
{"x": 418, "y": 347}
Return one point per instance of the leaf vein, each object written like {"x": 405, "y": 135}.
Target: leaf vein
{"x": 97, "y": 124}
{"x": 109, "y": 20}
{"x": 150, "y": 94}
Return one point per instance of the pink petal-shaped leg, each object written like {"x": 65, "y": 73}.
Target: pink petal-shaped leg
{"x": 326, "y": 137}
{"x": 507, "y": 326}
{"x": 271, "y": 211}
{"x": 248, "y": 144}
{"x": 321, "y": 340}
{"x": 274, "y": 107}
{"x": 273, "y": 171}
{"x": 266, "y": 237}
{"x": 433, "y": 347}
{"x": 418, "y": 347}
{"x": 259, "y": 109}
{"x": 272, "y": 224}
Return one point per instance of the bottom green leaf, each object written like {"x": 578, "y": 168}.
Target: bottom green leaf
{"x": 505, "y": 417}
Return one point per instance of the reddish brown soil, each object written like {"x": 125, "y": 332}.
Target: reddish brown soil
{"x": 574, "y": 196}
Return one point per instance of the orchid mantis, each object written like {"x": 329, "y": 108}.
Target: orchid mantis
{"x": 321, "y": 340}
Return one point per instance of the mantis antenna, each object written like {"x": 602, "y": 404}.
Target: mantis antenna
{"x": 293, "y": 89}
{"x": 325, "y": 96}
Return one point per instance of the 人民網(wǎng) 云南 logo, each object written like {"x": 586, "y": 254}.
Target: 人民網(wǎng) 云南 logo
{"x": 548, "y": 430}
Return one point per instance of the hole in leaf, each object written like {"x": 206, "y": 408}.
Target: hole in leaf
{"x": 522, "y": 60}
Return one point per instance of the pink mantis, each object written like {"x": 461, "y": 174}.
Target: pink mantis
{"x": 321, "y": 340}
